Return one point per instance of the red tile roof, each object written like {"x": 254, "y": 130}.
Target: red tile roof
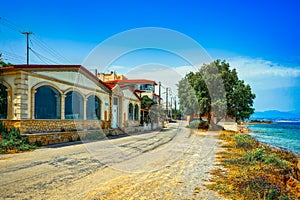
{"x": 132, "y": 90}
{"x": 111, "y": 86}
{"x": 132, "y": 81}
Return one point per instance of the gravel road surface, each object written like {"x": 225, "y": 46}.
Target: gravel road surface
{"x": 168, "y": 164}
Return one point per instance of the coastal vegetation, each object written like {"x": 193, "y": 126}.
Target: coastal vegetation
{"x": 12, "y": 141}
{"x": 215, "y": 88}
{"x": 256, "y": 121}
{"x": 250, "y": 170}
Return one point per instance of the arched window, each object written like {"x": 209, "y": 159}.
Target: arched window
{"x": 93, "y": 108}
{"x": 3, "y": 101}
{"x": 73, "y": 105}
{"x": 136, "y": 112}
{"x": 47, "y": 103}
{"x": 130, "y": 112}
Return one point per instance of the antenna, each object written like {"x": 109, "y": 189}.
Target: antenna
{"x": 27, "y": 39}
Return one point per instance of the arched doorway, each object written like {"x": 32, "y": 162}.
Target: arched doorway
{"x": 3, "y": 101}
{"x": 136, "y": 112}
{"x": 130, "y": 112}
{"x": 73, "y": 105}
{"x": 115, "y": 113}
{"x": 47, "y": 103}
{"x": 93, "y": 108}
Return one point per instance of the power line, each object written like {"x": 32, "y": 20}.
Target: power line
{"x": 9, "y": 25}
{"x": 10, "y": 54}
{"x": 35, "y": 41}
{"x": 42, "y": 58}
{"x": 50, "y": 50}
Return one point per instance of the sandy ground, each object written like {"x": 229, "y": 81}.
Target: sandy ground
{"x": 169, "y": 164}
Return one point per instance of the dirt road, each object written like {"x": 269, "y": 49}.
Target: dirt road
{"x": 169, "y": 164}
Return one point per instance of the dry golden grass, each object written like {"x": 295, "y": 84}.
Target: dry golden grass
{"x": 250, "y": 170}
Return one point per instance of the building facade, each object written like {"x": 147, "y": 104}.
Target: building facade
{"x": 53, "y": 94}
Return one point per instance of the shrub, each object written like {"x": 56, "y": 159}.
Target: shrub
{"x": 13, "y": 140}
{"x": 275, "y": 160}
{"x": 245, "y": 141}
{"x": 254, "y": 155}
{"x": 261, "y": 155}
{"x": 198, "y": 124}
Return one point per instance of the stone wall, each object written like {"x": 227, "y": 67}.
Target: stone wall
{"x": 64, "y": 137}
{"x": 133, "y": 129}
{"x": 229, "y": 126}
{"x": 54, "y": 138}
{"x": 48, "y": 126}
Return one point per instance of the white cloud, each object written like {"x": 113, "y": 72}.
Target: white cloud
{"x": 263, "y": 74}
{"x": 271, "y": 82}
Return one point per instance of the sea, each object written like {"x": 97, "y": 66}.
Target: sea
{"x": 283, "y": 134}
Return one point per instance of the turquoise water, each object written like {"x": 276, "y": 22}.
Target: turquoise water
{"x": 284, "y": 135}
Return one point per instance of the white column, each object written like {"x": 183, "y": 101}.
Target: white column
{"x": 32, "y": 103}
{"x": 62, "y": 106}
{"x": 84, "y": 108}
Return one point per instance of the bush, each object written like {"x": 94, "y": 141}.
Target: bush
{"x": 13, "y": 140}
{"x": 261, "y": 155}
{"x": 198, "y": 124}
{"x": 275, "y": 160}
{"x": 254, "y": 155}
{"x": 245, "y": 141}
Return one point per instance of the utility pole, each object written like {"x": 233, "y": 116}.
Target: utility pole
{"x": 175, "y": 112}
{"x": 159, "y": 91}
{"x": 167, "y": 109}
{"x": 27, "y": 39}
{"x": 171, "y": 105}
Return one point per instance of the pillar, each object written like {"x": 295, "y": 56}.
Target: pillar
{"x": 62, "y": 106}
{"x": 33, "y": 91}
{"x": 84, "y": 108}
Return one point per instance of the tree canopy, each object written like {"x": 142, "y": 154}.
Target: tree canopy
{"x": 2, "y": 63}
{"x": 146, "y": 102}
{"x": 3, "y": 92}
{"x": 216, "y": 90}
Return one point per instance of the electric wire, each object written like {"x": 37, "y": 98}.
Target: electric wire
{"x": 50, "y": 50}
{"x": 42, "y": 58}
{"x": 9, "y": 25}
{"x": 36, "y": 42}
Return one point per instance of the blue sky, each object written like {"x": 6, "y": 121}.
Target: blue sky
{"x": 259, "y": 38}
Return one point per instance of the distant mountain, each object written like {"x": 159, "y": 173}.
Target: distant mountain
{"x": 275, "y": 115}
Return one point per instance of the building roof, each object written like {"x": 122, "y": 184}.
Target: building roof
{"x": 111, "y": 86}
{"x": 52, "y": 68}
{"x": 128, "y": 81}
{"x": 132, "y": 90}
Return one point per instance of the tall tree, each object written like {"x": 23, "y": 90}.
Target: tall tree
{"x": 3, "y": 92}
{"x": 217, "y": 91}
{"x": 187, "y": 95}
{"x": 2, "y": 63}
